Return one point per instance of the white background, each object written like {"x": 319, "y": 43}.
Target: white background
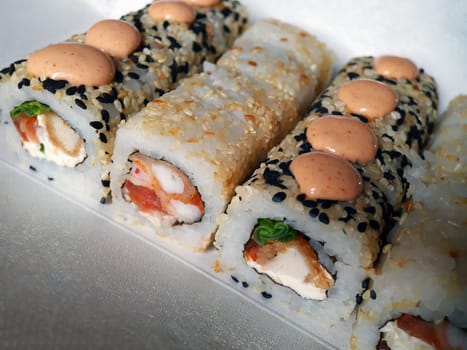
{"x": 69, "y": 278}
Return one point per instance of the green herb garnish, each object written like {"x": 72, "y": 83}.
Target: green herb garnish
{"x": 269, "y": 230}
{"x": 30, "y": 108}
{"x": 42, "y": 148}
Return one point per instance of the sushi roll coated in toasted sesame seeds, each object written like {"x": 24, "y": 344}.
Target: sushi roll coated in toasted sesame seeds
{"x": 417, "y": 296}
{"x": 177, "y": 162}
{"x": 65, "y": 101}
{"x": 307, "y": 225}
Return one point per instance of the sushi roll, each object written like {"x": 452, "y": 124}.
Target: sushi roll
{"x": 417, "y": 297}
{"x": 177, "y": 162}
{"x": 65, "y": 101}
{"x": 306, "y": 226}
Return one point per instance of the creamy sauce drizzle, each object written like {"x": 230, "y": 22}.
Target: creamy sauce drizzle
{"x": 368, "y": 98}
{"x": 345, "y": 137}
{"x": 79, "y": 64}
{"x": 117, "y": 38}
{"x": 172, "y": 11}
{"x": 325, "y": 176}
{"x": 395, "y": 67}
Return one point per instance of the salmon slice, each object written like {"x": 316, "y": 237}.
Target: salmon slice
{"x": 161, "y": 191}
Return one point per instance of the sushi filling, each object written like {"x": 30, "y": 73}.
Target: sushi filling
{"x": 161, "y": 192}
{"x": 288, "y": 258}
{"x": 45, "y": 135}
{"x": 410, "y": 332}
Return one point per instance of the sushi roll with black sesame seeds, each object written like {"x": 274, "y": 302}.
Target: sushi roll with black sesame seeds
{"x": 307, "y": 225}
{"x": 177, "y": 162}
{"x": 417, "y": 297}
{"x": 65, "y": 101}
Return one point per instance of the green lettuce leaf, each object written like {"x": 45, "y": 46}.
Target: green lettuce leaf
{"x": 30, "y": 108}
{"x": 268, "y": 230}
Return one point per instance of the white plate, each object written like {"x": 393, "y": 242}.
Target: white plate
{"x": 69, "y": 278}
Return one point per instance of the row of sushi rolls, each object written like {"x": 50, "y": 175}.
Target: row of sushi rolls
{"x": 332, "y": 198}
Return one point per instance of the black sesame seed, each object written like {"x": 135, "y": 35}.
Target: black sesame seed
{"x": 361, "y": 227}
{"x": 149, "y": 59}
{"x": 324, "y": 218}
{"x": 103, "y": 200}
{"x": 361, "y": 117}
{"x": 245, "y": 284}
{"x": 374, "y": 224}
{"x": 314, "y": 212}
{"x": 301, "y": 197}
{"x": 133, "y": 75}
{"x": 184, "y": 68}
{"x": 372, "y": 294}
{"x": 285, "y": 167}
{"x": 142, "y": 66}
{"x": 81, "y": 89}
{"x": 226, "y": 29}
{"x": 159, "y": 92}
{"x": 165, "y": 24}
{"x": 279, "y": 197}
{"x": 336, "y": 113}
{"x": 80, "y": 103}
{"x": 52, "y": 85}
{"x": 226, "y": 11}
{"x": 310, "y": 203}
{"x": 96, "y": 125}
{"x": 300, "y": 137}
{"x": 196, "y": 47}
{"x": 358, "y": 299}
{"x": 266, "y": 295}
{"x": 8, "y": 70}
{"x": 32, "y": 168}
{"x": 388, "y": 176}
{"x": 305, "y": 148}
{"x": 370, "y": 210}
{"x": 103, "y": 138}
{"x": 272, "y": 161}
{"x": 375, "y": 195}
{"x": 50, "y": 178}
{"x": 105, "y": 98}
{"x": 326, "y": 204}
{"x": 173, "y": 43}
{"x": 235, "y": 279}
{"x": 350, "y": 210}
{"x": 118, "y": 77}
{"x": 366, "y": 283}
{"x": 71, "y": 90}
{"x": 105, "y": 183}
{"x": 173, "y": 71}
{"x": 105, "y": 115}
{"x": 321, "y": 110}
{"x": 353, "y": 75}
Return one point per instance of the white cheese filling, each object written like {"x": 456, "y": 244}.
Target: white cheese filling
{"x": 397, "y": 338}
{"x": 290, "y": 269}
{"x": 58, "y": 142}
{"x": 168, "y": 179}
{"x": 188, "y": 213}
